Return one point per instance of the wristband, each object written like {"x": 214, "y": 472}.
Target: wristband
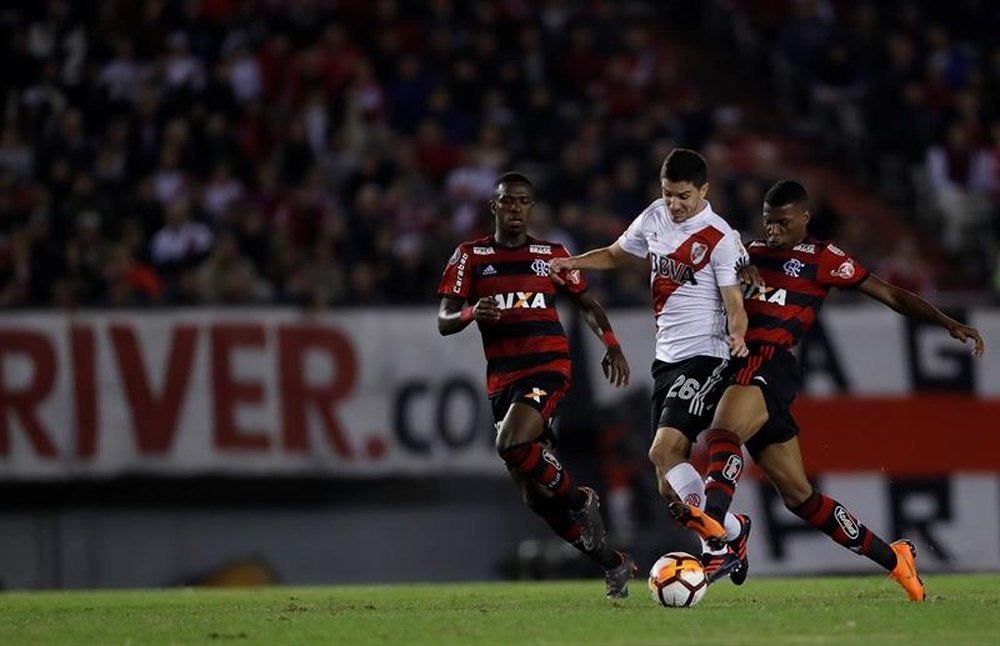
{"x": 609, "y": 339}
{"x": 466, "y": 314}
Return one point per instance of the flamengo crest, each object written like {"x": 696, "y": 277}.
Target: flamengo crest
{"x": 698, "y": 250}
{"x": 793, "y": 267}
{"x": 540, "y": 267}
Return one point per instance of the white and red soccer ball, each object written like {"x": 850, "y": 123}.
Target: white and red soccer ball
{"x": 677, "y": 580}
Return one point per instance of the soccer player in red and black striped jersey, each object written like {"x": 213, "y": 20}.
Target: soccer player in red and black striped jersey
{"x": 501, "y": 282}
{"x": 797, "y": 273}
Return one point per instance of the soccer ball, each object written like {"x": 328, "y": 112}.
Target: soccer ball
{"x": 677, "y": 580}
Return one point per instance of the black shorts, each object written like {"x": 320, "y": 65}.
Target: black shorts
{"x": 685, "y": 393}
{"x": 775, "y": 371}
{"x": 543, "y": 391}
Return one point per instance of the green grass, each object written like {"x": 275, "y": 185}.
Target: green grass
{"x": 842, "y": 610}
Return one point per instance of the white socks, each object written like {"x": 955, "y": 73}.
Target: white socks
{"x": 733, "y": 527}
{"x": 687, "y": 483}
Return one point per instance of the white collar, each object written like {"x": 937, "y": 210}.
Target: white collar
{"x": 695, "y": 219}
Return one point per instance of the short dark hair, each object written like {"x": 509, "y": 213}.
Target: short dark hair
{"x": 684, "y": 165}
{"x": 785, "y": 192}
{"x": 513, "y": 177}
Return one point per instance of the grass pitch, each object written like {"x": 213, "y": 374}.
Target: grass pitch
{"x": 960, "y": 610}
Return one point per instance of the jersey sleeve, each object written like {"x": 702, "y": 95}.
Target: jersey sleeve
{"x": 575, "y": 282}
{"x": 837, "y": 269}
{"x": 457, "y": 278}
{"x": 727, "y": 258}
{"x": 633, "y": 240}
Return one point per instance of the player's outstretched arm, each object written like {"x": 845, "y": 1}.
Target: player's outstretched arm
{"x": 736, "y": 319}
{"x": 909, "y": 304}
{"x": 614, "y": 364}
{"x": 604, "y": 258}
{"x": 454, "y": 315}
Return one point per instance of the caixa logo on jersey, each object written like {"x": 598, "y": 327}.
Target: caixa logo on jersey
{"x": 765, "y": 294}
{"x": 520, "y": 300}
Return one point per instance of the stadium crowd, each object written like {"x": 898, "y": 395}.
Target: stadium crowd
{"x": 906, "y": 94}
{"x": 326, "y": 153}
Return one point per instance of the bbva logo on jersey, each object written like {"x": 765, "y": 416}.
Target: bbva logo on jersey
{"x": 668, "y": 267}
{"x": 523, "y": 300}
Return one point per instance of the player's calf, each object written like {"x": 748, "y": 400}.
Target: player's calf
{"x": 834, "y": 520}
{"x": 725, "y": 465}
{"x": 564, "y": 525}
{"x": 539, "y": 465}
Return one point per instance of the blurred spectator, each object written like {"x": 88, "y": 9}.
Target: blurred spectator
{"x": 906, "y": 268}
{"x": 900, "y": 94}
{"x": 338, "y": 153}
{"x": 320, "y": 282}
{"x": 181, "y": 241}
{"x": 228, "y": 277}
{"x": 221, "y": 193}
{"x": 963, "y": 180}
{"x": 130, "y": 283}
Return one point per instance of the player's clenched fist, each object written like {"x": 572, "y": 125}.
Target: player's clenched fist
{"x": 737, "y": 345}
{"x": 486, "y": 310}
{"x": 558, "y": 267}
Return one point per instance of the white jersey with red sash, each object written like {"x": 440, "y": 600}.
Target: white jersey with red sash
{"x": 689, "y": 262}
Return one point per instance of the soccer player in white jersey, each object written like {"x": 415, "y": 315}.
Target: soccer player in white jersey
{"x": 694, "y": 257}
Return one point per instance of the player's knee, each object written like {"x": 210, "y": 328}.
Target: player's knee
{"x": 744, "y": 428}
{"x": 506, "y": 438}
{"x": 503, "y": 442}
{"x": 664, "y": 458}
{"x": 668, "y": 451}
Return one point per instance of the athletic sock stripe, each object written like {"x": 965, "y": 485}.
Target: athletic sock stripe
{"x": 717, "y": 461}
{"x": 721, "y": 486}
{"x": 867, "y": 542}
{"x": 808, "y": 508}
{"x": 532, "y": 460}
{"x": 826, "y": 506}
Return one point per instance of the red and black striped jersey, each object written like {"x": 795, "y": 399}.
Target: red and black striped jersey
{"x": 528, "y": 338}
{"x": 796, "y": 283}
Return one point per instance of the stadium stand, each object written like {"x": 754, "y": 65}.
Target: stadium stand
{"x": 327, "y": 153}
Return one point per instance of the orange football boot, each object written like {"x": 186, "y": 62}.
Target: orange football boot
{"x": 710, "y": 530}
{"x": 905, "y": 573}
